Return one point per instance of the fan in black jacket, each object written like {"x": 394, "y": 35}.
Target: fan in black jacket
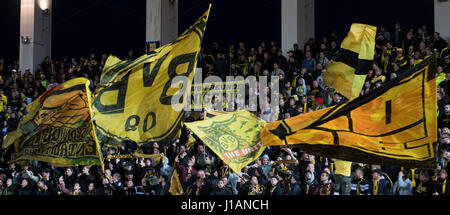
{"x": 25, "y": 188}
{"x": 359, "y": 185}
{"x": 221, "y": 189}
{"x": 309, "y": 184}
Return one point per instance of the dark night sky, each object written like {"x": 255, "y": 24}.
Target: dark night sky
{"x": 81, "y": 27}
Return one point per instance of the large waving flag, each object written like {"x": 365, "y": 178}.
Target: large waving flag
{"x": 58, "y": 128}
{"x": 234, "y": 137}
{"x": 134, "y": 101}
{"x": 393, "y": 125}
{"x": 349, "y": 67}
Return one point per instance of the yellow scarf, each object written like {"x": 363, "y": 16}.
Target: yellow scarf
{"x": 273, "y": 189}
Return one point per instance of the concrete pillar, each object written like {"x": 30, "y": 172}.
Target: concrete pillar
{"x": 35, "y": 33}
{"x": 297, "y": 23}
{"x": 162, "y": 22}
{"x": 442, "y": 18}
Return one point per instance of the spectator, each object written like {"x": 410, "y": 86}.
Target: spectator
{"x": 403, "y": 186}
{"x": 342, "y": 176}
{"x": 359, "y": 185}
{"x": 275, "y": 189}
{"x": 379, "y": 186}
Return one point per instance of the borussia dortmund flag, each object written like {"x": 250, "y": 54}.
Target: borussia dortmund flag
{"x": 349, "y": 67}
{"x": 393, "y": 125}
{"x": 58, "y": 128}
{"x": 134, "y": 101}
{"x": 234, "y": 137}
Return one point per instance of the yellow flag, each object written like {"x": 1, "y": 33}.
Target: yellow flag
{"x": 234, "y": 137}
{"x": 175, "y": 184}
{"x": 58, "y": 128}
{"x": 393, "y": 125}
{"x": 349, "y": 67}
{"x": 134, "y": 101}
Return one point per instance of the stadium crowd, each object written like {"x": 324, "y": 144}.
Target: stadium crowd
{"x": 200, "y": 171}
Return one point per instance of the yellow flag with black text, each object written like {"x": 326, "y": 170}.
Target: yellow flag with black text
{"x": 396, "y": 124}
{"x": 58, "y": 128}
{"x": 136, "y": 99}
{"x": 348, "y": 69}
{"x": 234, "y": 137}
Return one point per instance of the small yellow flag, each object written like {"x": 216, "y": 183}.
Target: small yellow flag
{"x": 137, "y": 100}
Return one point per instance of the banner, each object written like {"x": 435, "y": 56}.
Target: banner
{"x": 234, "y": 137}
{"x": 393, "y": 125}
{"x": 58, "y": 128}
{"x": 349, "y": 67}
{"x": 135, "y": 99}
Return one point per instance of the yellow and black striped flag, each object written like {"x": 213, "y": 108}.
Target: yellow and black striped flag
{"x": 135, "y": 100}
{"x": 349, "y": 67}
{"x": 396, "y": 124}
